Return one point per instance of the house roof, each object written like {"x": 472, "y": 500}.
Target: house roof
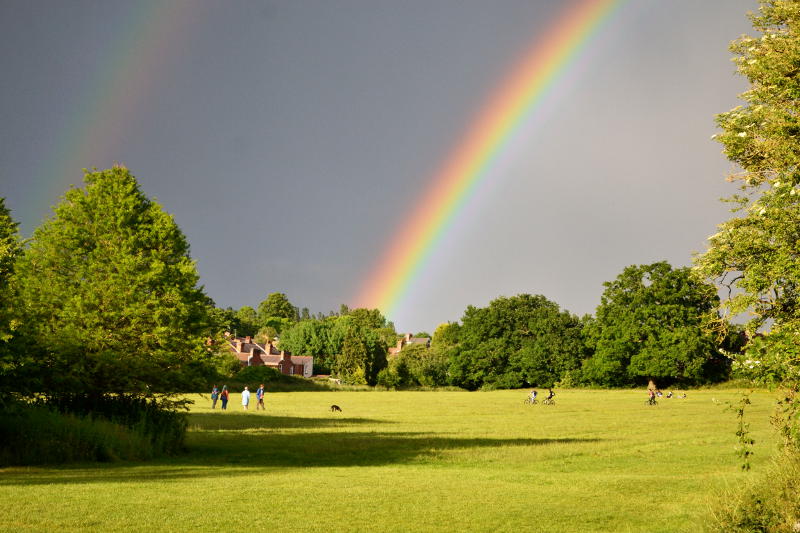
{"x": 269, "y": 354}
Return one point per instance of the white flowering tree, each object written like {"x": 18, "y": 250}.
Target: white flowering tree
{"x": 756, "y": 254}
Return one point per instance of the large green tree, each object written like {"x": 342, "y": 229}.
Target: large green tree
{"x": 649, "y": 325}
{"x": 524, "y": 339}
{"x": 756, "y": 254}
{"x": 277, "y": 305}
{"x": 111, "y": 294}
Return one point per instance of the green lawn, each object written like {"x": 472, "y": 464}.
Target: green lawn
{"x": 413, "y": 461}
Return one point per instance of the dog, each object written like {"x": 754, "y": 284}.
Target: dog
{"x": 335, "y": 408}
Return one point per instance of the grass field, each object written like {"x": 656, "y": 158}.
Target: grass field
{"x": 413, "y": 461}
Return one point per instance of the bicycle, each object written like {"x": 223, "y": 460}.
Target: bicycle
{"x": 651, "y": 401}
{"x": 530, "y": 401}
{"x": 548, "y": 401}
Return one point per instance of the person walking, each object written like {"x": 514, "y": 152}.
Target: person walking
{"x": 214, "y": 396}
{"x": 245, "y": 398}
{"x": 223, "y": 396}
{"x": 260, "y": 397}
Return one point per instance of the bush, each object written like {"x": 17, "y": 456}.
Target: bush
{"x": 159, "y": 421}
{"x": 38, "y": 435}
{"x": 770, "y": 503}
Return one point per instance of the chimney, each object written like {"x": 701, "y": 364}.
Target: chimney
{"x": 247, "y": 339}
{"x": 238, "y": 344}
{"x": 408, "y": 337}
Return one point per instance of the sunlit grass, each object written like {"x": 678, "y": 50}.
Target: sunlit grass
{"x": 413, "y": 461}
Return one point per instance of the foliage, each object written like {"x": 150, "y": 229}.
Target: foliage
{"x": 222, "y": 320}
{"x": 362, "y": 356}
{"x": 276, "y": 323}
{"x": 446, "y": 335}
{"x": 277, "y": 305}
{"x": 768, "y": 502}
{"x": 111, "y": 295}
{"x": 79, "y": 428}
{"x": 68, "y": 438}
{"x": 754, "y": 254}
{"x": 14, "y": 356}
{"x": 416, "y": 364}
{"x": 427, "y": 366}
{"x": 159, "y": 419}
{"x": 325, "y": 340}
{"x": 273, "y": 380}
{"x": 513, "y": 341}
{"x": 247, "y": 323}
{"x": 396, "y": 374}
{"x": 649, "y": 326}
{"x": 9, "y": 250}
{"x": 311, "y": 337}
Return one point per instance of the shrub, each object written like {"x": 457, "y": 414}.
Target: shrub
{"x": 158, "y": 421}
{"x": 767, "y": 503}
{"x": 38, "y": 435}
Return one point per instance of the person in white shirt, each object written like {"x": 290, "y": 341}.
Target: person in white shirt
{"x": 245, "y": 398}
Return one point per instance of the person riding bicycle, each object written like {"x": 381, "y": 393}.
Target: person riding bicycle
{"x": 550, "y": 394}
{"x": 533, "y": 394}
{"x": 651, "y": 396}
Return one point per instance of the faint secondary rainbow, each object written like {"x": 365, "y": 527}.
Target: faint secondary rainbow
{"x": 518, "y": 97}
{"x": 94, "y": 130}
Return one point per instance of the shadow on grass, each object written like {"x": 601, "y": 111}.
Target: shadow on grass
{"x": 243, "y": 421}
{"x": 213, "y": 453}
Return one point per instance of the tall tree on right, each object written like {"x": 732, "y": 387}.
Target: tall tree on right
{"x": 649, "y": 326}
{"x": 756, "y": 254}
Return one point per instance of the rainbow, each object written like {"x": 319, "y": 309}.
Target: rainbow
{"x": 92, "y": 134}
{"x": 510, "y": 107}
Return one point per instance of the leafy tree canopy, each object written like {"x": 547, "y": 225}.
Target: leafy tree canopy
{"x": 111, "y": 294}
{"x": 277, "y": 305}
{"x": 649, "y": 324}
{"x": 13, "y": 350}
{"x": 513, "y": 341}
{"x": 246, "y": 323}
{"x": 755, "y": 253}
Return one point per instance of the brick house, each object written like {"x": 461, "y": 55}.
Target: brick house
{"x": 251, "y": 353}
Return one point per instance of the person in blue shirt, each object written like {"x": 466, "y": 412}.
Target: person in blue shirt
{"x": 260, "y": 397}
{"x": 214, "y": 396}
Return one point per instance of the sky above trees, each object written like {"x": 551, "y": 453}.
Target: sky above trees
{"x": 290, "y": 139}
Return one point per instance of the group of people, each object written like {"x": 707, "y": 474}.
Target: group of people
{"x": 652, "y": 394}
{"x": 222, "y": 396}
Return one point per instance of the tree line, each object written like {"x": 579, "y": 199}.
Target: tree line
{"x": 105, "y": 299}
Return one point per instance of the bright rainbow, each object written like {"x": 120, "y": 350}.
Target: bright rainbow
{"x": 508, "y": 110}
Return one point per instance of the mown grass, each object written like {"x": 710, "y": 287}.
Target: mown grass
{"x": 413, "y": 461}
